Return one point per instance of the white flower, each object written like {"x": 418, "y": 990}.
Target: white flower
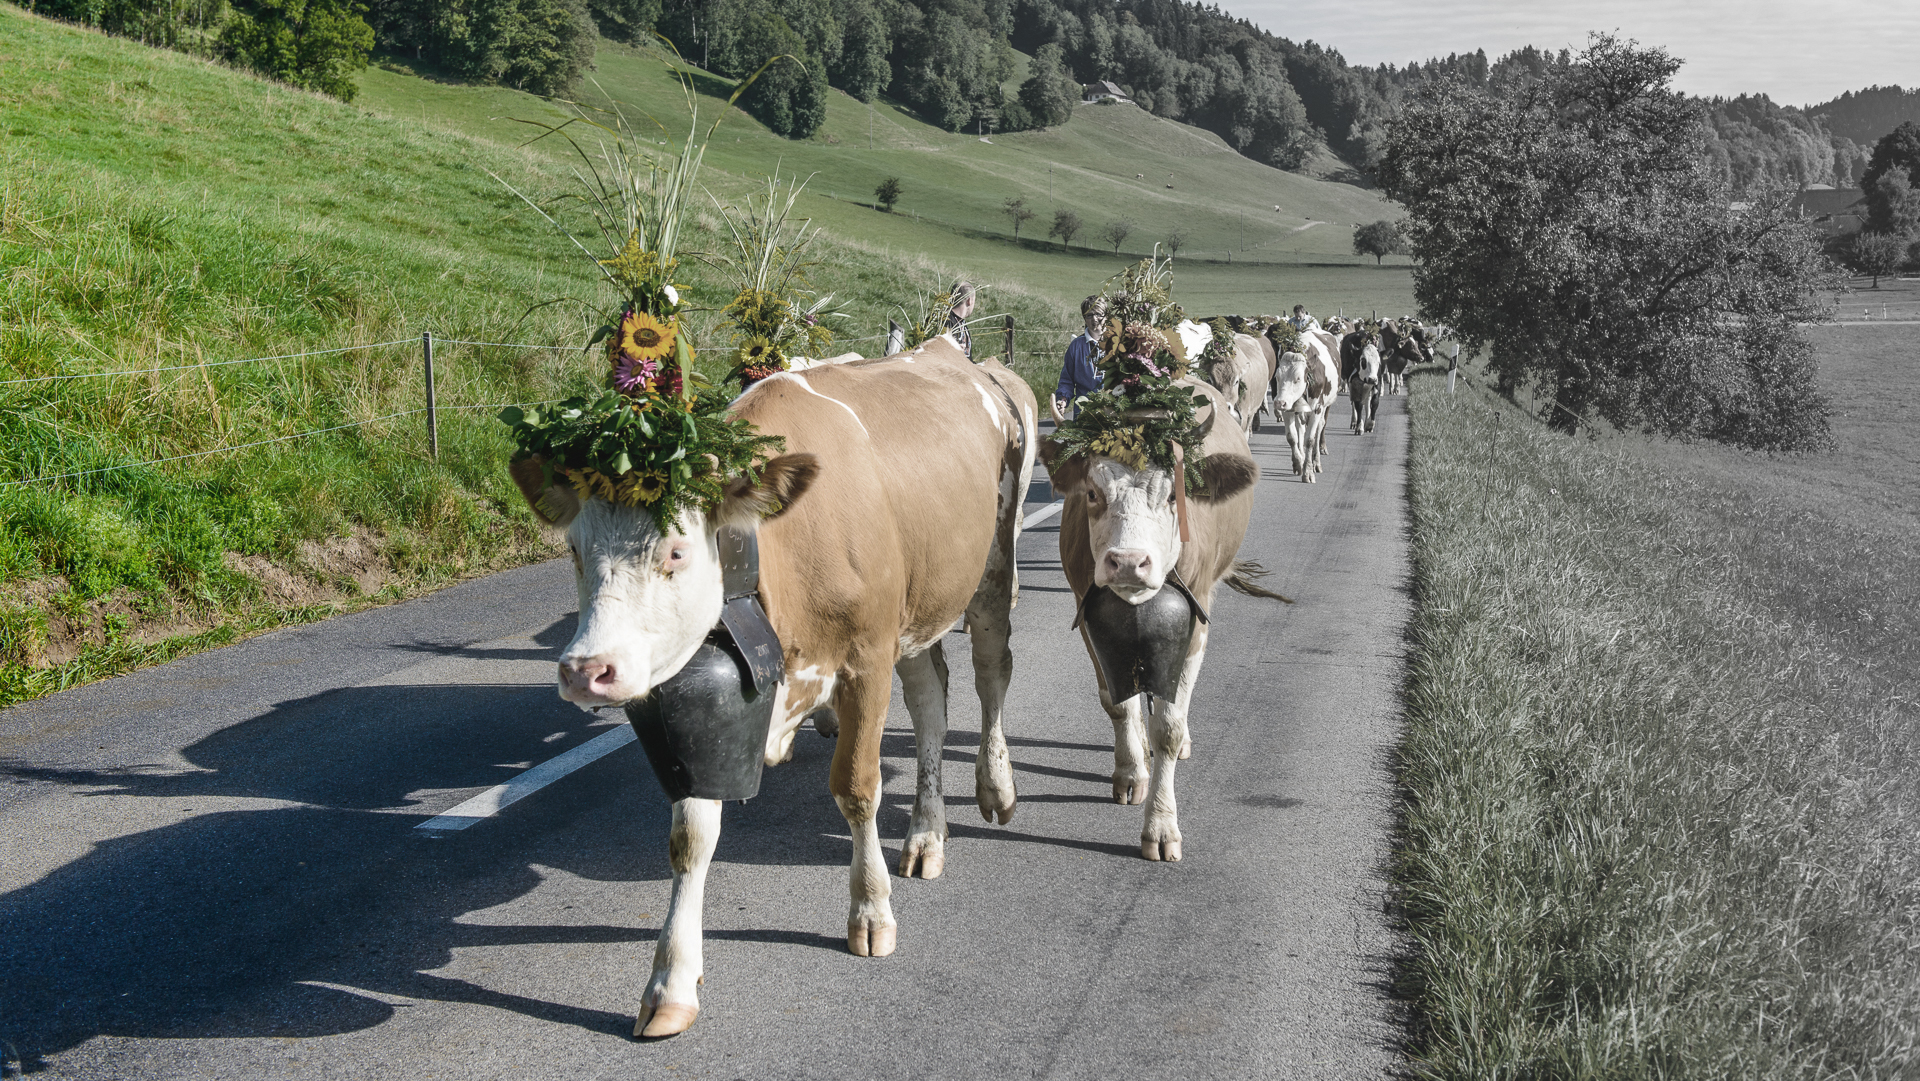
{"x": 673, "y": 295}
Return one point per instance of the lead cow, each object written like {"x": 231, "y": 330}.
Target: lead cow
{"x": 1119, "y": 529}
{"x": 893, "y": 512}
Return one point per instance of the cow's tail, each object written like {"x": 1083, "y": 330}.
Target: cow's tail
{"x": 1245, "y": 571}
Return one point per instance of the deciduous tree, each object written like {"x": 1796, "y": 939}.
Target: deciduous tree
{"x": 1878, "y": 254}
{"x": 1174, "y": 241}
{"x": 312, "y": 44}
{"x": 1017, "y": 212}
{"x": 1572, "y": 225}
{"x": 1380, "y": 239}
{"x": 1049, "y": 92}
{"x": 1116, "y": 232}
{"x": 888, "y": 193}
{"x": 1889, "y": 196}
{"x": 1066, "y": 225}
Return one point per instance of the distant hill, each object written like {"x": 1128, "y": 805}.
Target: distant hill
{"x": 1869, "y": 114}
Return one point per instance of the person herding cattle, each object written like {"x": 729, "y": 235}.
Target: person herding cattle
{"x": 1077, "y": 376}
{"x": 961, "y": 298}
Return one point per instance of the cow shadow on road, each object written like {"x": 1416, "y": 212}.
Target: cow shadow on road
{"x": 299, "y": 896}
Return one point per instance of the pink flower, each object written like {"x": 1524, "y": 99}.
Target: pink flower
{"x": 631, "y": 376}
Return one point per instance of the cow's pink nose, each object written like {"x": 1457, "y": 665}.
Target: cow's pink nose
{"x": 1128, "y": 564}
{"x": 590, "y": 675}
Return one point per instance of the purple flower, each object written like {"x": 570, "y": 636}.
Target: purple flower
{"x": 631, "y": 375}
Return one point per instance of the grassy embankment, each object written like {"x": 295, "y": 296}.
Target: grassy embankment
{"x": 157, "y": 211}
{"x": 1664, "y": 818}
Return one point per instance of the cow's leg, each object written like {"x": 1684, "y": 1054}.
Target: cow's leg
{"x": 1293, "y": 440}
{"x": 672, "y": 999}
{"x": 854, "y": 781}
{"x": 923, "y": 679}
{"x": 1130, "y": 771}
{"x": 990, "y": 627}
{"x": 1167, "y": 731}
{"x": 1317, "y": 439}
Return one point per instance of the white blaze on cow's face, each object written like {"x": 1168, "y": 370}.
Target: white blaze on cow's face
{"x": 647, "y": 601}
{"x": 1130, "y": 520}
{"x": 1290, "y": 381}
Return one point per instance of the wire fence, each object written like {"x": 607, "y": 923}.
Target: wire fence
{"x": 429, "y": 408}
{"x": 989, "y": 324}
{"x": 210, "y": 363}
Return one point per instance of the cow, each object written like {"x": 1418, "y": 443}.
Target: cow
{"x": 1243, "y": 377}
{"x": 1360, "y": 371}
{"x": 1323, "y": 347}
{"x": 1399, "y": 350}
{"x": 892, "y": 512}
{"x": 1304, "y": 390}
{"x": 1119, "y": 529}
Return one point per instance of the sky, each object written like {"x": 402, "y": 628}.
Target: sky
{"x": 1797, "y": 52}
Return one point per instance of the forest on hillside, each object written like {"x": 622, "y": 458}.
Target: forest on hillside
{"x": 959, "y": 64}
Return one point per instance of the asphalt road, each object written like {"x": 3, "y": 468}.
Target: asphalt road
{"x": 211, "y": 869}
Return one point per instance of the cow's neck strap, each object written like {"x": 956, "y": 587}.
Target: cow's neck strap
{"x": 1180, "y": 492}
{"x": 741, "y": 614}
{"x": 739, "y": 561}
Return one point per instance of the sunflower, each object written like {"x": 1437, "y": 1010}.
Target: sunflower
{"x": 641, "y": 337}
{"x": 756, "y": 353}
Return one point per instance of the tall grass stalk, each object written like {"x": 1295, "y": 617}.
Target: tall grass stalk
{"x": 1657, "y": 827}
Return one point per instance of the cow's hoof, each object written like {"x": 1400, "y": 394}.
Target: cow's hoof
{"x": 870, "y": 938}
{"x": 924, "y": 855}
{"x": 1169, "y": 851}
{"x": 993, "y": 789}
{"x": 666, "y": 1019}
{"x": 1129, "y": 790}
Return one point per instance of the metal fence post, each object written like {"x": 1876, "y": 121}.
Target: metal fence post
{"x": 433, "y": 420}
{"x": 1009, "y": 341}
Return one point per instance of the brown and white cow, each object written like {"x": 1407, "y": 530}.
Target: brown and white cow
{"x": 1119, "y": 530}
{"x": 892, "y": 513}
{"x": 1241, "y": 378}
{"x": 1304, "y": 390}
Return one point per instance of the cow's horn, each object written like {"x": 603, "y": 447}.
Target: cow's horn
{"x": 1053, "y": 403}
{"x": 1206, "y": 426}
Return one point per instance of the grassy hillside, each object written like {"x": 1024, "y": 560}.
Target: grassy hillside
{"x": 1662, "y": 736}
{"x": 955, "y": 185}
{"x": 158, "y": 212}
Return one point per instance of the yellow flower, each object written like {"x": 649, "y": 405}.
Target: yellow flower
{"x": 1128, "y": 446}
{"x": 756, "y": 352}
{"x": 642, "y": 337}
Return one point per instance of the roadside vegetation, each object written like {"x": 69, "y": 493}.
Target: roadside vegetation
{"x": 1663, "y": 817}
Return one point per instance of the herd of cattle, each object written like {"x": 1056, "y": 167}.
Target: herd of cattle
{"x": 893, "y": 513}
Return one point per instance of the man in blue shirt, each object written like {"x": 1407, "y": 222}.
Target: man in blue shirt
{"x": 1077, "y": 374}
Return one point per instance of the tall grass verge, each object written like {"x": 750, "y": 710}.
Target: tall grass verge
{"x": 1660, "y": 822}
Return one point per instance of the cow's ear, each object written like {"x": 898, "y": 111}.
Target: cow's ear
{"x": 1064, "y": 474}
{"x": 782, "y": 482}
{"x": 553, "y": 503}
{"x": 1225, "y": 476}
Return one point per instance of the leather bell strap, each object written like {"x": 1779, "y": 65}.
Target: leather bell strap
{"x": 741, "y": 614}
{"x": 739, "y": 561}
{"x": 1180, "y": 491}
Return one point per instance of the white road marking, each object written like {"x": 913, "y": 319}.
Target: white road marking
{"x": 488, "y": 803}
{"x": 1043, "y": 513}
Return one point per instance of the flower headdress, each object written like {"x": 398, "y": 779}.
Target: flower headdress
{"x": 1138, "y": 415}
{"x": 648, "y": 440}
{"x": 769, "y": 320}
